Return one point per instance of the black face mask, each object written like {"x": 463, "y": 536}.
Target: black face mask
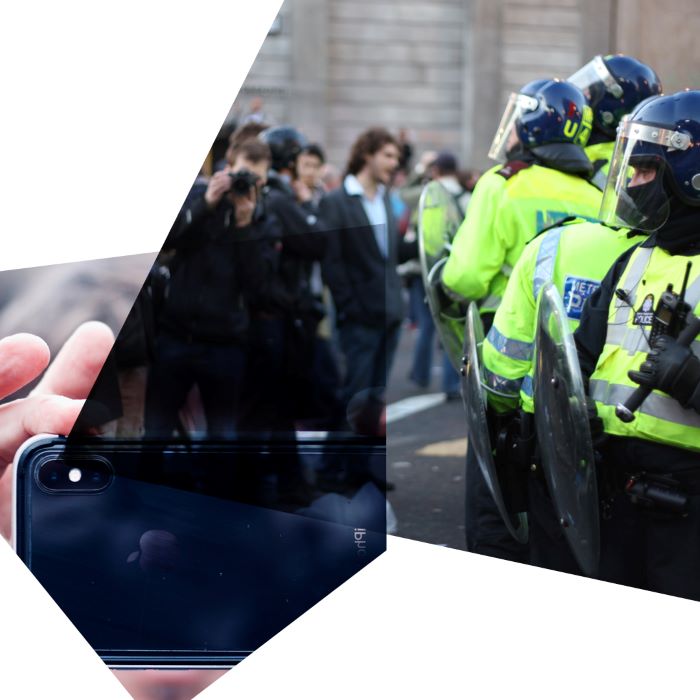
{"x": 681, "y": 232}
{"x": 650, "y": 205}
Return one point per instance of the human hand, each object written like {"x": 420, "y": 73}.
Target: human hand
{"x": 244, "y": 207}
{"x": 302, "y": 191}
{"x": 55, "y": 404}
{"x": 672, "y": 368}
{"x": 173, "y": 685}
{"x": 219, "y": 185}
{"x": 425, "y": 161}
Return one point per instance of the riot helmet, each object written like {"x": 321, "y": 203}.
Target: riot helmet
{"x": 285, "y": 144}
{"x": 543, "y": 112}
{"x": 614, "y": 86}
{"x": 656, "y": 159}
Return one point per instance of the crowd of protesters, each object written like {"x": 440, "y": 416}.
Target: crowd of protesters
{"x": 277, "y": 301}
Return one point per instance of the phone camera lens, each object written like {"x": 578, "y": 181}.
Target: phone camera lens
{"x": 53, "y": 477}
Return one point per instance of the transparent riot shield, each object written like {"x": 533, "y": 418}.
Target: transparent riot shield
{"x": 474, "y": 395}
{"x": 439, "y": 218}
{"x": 563, "y": 433}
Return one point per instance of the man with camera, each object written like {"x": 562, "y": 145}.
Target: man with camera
{"x": 285, "y": 316}
{"x": 220, "y": 265}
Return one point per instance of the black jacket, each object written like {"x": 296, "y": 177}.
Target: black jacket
{"x": 365, "y": 285}
{"x": 298, "y": 241}
{"x": 217, "y": 272}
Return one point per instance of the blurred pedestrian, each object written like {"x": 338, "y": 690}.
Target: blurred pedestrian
{"x": 360, "y": 266}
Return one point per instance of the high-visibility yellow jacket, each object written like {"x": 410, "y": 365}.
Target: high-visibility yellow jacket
{"x": 596, "y": 153}
{"x": 575, "y": 257}
{"x": 509, "y": 206}
{"x": 660, "y": 418}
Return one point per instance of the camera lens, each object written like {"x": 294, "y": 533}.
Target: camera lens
{"x": 77, "y": 475}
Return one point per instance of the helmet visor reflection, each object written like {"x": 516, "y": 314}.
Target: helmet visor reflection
{"x": 594, "y": 80}
{"x": 506, "y": 136}
{"x": 634, "y": 195}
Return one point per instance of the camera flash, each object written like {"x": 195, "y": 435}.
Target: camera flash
{"x": 75, "y": 475}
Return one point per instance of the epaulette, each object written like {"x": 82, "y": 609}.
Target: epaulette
{"x": 513, "y": 167}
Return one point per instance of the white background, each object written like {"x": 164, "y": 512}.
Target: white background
{"x": 107, "y": 113}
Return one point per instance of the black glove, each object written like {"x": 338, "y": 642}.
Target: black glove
{"x": 673, "y": 369}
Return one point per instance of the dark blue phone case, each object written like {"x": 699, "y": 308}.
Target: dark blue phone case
{"x": 195, "y": 554}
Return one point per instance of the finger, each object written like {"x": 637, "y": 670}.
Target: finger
{"x": 77, "y": 365}
{"x": 21, "y": 419}
{"x": 640, "y": 378}
{"x": 23, "y": 357}
{"x": 6, "y": 505}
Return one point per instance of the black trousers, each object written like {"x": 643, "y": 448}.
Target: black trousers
{"x": 217, "y": 369}
{"x": 486, "y": 532}
{"x": 651, "y": 549}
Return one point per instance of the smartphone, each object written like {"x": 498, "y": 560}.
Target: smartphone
{"x": 194, "y": 554}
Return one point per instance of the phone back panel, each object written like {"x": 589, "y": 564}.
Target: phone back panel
{"x": 196, "y": 555}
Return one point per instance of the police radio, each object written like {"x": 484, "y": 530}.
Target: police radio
{"x": 672, "y": 317}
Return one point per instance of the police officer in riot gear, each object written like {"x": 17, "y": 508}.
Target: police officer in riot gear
{"x": 650, "y": 471}
{"x": 575, "y": 255}
{"x": 614, "y": 86}
{"x": 544, "y": 179}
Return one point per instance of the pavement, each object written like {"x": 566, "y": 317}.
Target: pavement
{"x": 426, "y": 451}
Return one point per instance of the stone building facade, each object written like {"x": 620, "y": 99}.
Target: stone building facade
{"x": 443, "y": 68}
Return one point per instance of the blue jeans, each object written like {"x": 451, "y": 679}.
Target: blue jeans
{"x": 423, "y": 351}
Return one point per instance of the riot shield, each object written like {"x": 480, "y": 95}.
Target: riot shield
{"x": 439, "y": 218}
{"x": 563, "y": 433}
{"x": 479, "y": 436}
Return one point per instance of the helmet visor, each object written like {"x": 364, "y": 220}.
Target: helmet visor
{"x": 506, "y": 137}
{"x": 594, "y": 80}
{"x": 634, "y": 195}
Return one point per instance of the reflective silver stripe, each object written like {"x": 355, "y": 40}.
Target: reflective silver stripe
{"x": 656, "y": 405}
{"x": 618, "y": 330}
{"x": 633, "y": 338}
{"x": 546, "y": 256}
{"x": 526, "y": 386}
{"x": 506, "y": 270}
{"x": 599, "y": 180}
{"x": 502, "y": 385}
{"x": 490, "y": 302}
{"x": 632, "y": 278}
{"x": 692, "y": 294}
{"x": 515, "y": 349}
